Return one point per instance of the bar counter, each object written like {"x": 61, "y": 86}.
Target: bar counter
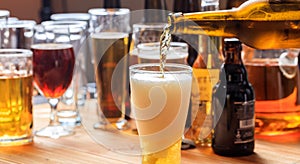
{"x": 82, "y": 148}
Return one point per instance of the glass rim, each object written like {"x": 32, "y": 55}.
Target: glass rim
{"x": 18, "y": 23}
{"x": 64, "y": 24}
{"x": 10, "y": 52}
{"x": 140, "y": 68}
{"x": 4, "y": 13}
{"x": 177, "y": 50}
{"x": 155, "y": 46}
{"x": 108, "y": 11}
{"x": 70, "y": 16}
{"x": 51, "y": 46}
{"x": 109, "y": 35}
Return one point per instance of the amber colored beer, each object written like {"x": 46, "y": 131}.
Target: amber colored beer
{"x": 277, "y": 106}
{"x": 109, "y": 50}
{"x": 15, "y": 109}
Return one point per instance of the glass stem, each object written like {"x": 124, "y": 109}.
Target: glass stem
{"x": 53, "y": 115}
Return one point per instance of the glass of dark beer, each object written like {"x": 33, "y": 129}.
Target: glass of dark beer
{"x": 53, "y": 66}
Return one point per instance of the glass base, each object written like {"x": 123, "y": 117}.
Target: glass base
{"x": 16, "y": 141}
{"x": 54, "y": 131}
{"x": 69, "y": 118}
{"x": 121, "y": 124}
{"x": 170, "y": 155}
{"x": 187, "y": 144}
{"x": 70, "y": 121}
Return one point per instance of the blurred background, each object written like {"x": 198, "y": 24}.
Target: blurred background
{"x": 32, "y": 9}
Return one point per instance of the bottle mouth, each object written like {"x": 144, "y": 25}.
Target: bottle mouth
{"x": 171, "y": 19}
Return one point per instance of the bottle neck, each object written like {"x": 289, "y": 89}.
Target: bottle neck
{"x": 233, "y": 68}
{"x": 235, "y": 71}
{"x": 233, "y": 57}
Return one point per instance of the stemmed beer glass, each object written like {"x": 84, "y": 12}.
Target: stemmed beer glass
{"x": 53, "y": 66}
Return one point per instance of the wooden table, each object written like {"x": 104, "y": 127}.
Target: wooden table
{"x": 81, "y": 148}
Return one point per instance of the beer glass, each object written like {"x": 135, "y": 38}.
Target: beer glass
{"x": 84, "y": 53}
{"x": 17, "y": 33}
{"x": 68, "y": 32}
{"x": 16, "y": 99}
{"x": 72, "y": 17}
{"x": 110, "y": 49}
{"x": 111, "y": 19}
{"x": 4, "y": 14}
{"x": 144, "y": 33}
{"x": 274, "y": 75}
{"x": 160, "y": 105}
{"x": 110, "y": 42}
{"x": 53, "y": 65}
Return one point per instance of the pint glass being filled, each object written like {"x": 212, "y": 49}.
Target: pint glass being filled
{"x": 160, "y": 105}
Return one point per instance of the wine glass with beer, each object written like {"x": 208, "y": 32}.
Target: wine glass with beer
{"x": 53, "y": 66}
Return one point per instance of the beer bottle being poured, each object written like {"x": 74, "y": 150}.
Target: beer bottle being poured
{"x": 261, "y": 24}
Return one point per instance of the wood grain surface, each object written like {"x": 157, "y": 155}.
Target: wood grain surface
{"x": 81, "y": 148}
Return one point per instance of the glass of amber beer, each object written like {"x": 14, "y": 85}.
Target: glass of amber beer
{"x": 16, "y": 98}
{"x": 160, "y": 104}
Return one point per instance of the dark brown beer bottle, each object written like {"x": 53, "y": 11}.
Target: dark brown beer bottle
{"x": 112, "y": 4}
{"x": 233, "y": 106}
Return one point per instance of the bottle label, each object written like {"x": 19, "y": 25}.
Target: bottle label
{"x": 246, "y": 123}
{"x": 206, "y": 79}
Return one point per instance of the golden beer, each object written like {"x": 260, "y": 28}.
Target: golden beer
{"x": 16, "y": 97}
{"x": 170, "y": 155}
{"x": 15, "y": 109}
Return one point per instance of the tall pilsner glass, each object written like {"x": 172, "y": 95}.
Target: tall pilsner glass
{"x": 160, "y": 106}
{"x": 110, "y": 42}
{"x": 110, "y": 49}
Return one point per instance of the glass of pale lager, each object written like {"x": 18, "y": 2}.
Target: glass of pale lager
{"x": 159, "y": 102}
{"x": 16, "y": 98}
